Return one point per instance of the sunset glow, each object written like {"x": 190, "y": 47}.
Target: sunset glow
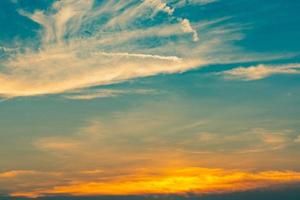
{"x": 149, "y": 100}
{"x": 181, "y": 181}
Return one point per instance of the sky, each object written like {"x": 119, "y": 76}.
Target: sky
{"x": 163, "y": 99}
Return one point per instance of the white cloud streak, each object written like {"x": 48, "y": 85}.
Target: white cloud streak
{"x": 104, "y": 93}
{"x": 261, "y": 71}
{"x": 193, "y": 2}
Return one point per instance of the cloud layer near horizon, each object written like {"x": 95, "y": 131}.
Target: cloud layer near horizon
{"x": 165, "y": 181}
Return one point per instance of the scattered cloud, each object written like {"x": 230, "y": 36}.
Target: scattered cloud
{"x": 83, "y": 45}
{"x": 261, "y": 71}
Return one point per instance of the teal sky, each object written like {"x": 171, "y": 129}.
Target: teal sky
{"x": 101, "y": 94}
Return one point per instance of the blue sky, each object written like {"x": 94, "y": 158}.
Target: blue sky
{"x": 102, "y": 94}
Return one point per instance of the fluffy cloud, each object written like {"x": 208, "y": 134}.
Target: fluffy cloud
{"x": 187, "y": 27}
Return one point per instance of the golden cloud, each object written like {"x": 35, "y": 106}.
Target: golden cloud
{"x": 173, "y": 181}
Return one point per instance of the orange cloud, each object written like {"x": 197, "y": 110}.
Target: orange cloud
{"x": 15, "y": 173}
{"x": 174, "y": 181}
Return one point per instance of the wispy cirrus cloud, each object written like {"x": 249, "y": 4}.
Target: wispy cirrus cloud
{"x": 89, "y": 94}
{"x": 261, "y": 71}
{"x": 85, "y": 44}
{"x": 193, "y": 2}
{"x": 112, "y": 137}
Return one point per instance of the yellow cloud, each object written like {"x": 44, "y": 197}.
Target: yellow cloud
{"x": 173, "y": 181}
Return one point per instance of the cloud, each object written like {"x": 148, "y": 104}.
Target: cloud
{"x": 124, "y": 133}
{"x": 192, "y": 180}
{"x": 267, "y": 140}
{"x": 29, "y": 180}
{"x": 297, "y": 140}
{"x": 84, "y": 44}
{"x": 156, "y": 161}
{"x": 160, "y": 6}
{"x": 202, "y": 2}
{"x": 56, "y": 144}
{"x": 256, "y": 140}
{"x": 60, "y": 70}
{"x": 261, "y": 71}
{"x": 16, "y": 173}
{"x": 187, "y": 27}
{"x": 82, "y": 140}
{"x": 104, "y": 93}
{"x": 193, "y": 2}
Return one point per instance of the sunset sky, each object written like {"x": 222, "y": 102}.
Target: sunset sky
{"x": 145, "y": 98}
